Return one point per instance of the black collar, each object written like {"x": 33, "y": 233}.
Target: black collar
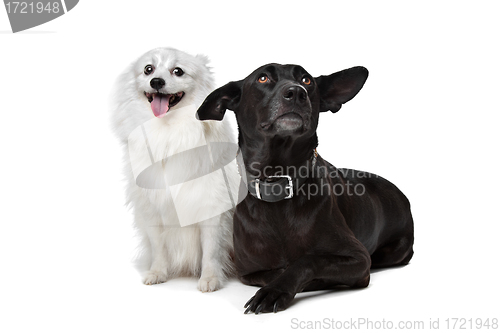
{"x": 277, "y": 188}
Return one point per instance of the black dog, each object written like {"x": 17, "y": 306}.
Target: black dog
{"x": 306, "y": 225}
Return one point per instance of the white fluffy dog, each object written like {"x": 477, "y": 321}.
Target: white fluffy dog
{"x": 157, "y": 97}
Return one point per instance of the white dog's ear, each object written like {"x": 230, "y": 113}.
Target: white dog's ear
{"x": 340, "y": 87}
{"x": 203, "y": 58}
{"x": 215, "y": 105}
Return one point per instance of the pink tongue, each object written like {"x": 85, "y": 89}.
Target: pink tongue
{"x": 159, "y": 105}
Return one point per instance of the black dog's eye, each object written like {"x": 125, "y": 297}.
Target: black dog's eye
{"x": 149, "y": 69}
{"x": 263, "y": 79}
{"x": 306, "y": 80}
{"x": 177, "y": 71}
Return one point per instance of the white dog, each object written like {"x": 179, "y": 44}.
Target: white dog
{"x": 156, "y": 98}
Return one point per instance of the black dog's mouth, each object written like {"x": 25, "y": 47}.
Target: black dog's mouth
{"x": 161, "y": 103}
{"x": 288, "y": 122}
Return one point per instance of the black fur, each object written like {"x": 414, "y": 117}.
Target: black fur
{"x": 339, "y": 224}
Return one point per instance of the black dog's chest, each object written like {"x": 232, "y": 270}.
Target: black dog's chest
{"x": 272, "y": 237}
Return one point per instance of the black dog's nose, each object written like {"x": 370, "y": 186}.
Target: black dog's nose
{"x": 295, "y": 93}
{"x": 157, "y": 83}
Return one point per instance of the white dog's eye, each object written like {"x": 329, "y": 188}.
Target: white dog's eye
{"x": 149, "y": 69}
{"x": 178, "y": 71}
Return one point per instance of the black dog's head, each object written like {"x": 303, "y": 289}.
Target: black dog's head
{"x": 282, "y": 100}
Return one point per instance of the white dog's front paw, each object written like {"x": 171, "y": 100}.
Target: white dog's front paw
{"x": 209, "y": 284}
{"x": 154, "y": 277}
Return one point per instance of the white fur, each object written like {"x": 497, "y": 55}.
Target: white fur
{"x": 202, "y": 249}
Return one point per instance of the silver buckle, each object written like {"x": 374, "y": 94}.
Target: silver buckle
{"x": 289, "y": 187}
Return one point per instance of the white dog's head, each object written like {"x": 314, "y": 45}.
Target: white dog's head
{"x": 168, "y": 77}
{"x": 155, "y": 85}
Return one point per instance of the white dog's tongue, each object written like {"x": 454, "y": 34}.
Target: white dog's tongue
{"x": 160, "y": 104}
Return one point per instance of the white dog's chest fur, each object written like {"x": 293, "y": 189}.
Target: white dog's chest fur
{"x": 181, "y": 139}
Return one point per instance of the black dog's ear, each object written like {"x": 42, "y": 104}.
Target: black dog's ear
{"x": 215, "y": 105}
{"x": 339, "y": 88}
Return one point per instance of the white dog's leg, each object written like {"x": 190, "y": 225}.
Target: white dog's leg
{"x": 158, "y": 272}
{"x": 216, "y": 239}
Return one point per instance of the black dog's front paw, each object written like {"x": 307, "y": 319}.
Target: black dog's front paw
{"x": 269, "y": 299}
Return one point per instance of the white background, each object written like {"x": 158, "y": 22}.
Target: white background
{"x": 427, "y": 119}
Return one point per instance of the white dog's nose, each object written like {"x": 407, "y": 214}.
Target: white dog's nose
{"x": 157, "y": 83}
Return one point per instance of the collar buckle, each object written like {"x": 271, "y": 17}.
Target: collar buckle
{"x": 258, "y": 187}
{"x": 288, "y": 187}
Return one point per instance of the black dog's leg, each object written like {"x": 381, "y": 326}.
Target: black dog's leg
{"x": 396, "y": 253}
{"x": 261, "y": 278}
{"x": 351, "y": 270}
